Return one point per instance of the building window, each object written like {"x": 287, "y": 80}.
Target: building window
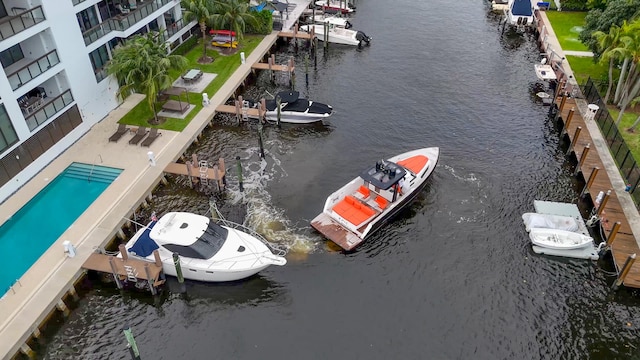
{"x": 8, "y": 134}
{"x": 87, "y": 19}
{"x": 11, "y": 55}
{"x": 99, "y": 59}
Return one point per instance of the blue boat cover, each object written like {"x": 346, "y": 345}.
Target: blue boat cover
{"x": 144, "y": 246}
{"x": 522, "y": 8}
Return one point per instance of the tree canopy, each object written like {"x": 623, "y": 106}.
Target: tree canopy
{"x": 615, "y": 13}
{"x": 142, "y": 65}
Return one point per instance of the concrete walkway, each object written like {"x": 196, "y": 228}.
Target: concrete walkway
{"x": 579, "y": 53}
{"x": 28, "y": 303}
{"x": 600, "y": 144}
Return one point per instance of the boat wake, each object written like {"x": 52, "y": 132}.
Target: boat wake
{"x": 262, "y": 215}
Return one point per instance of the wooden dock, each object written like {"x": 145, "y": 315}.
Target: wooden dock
{"x": 201, "y": 171}
{"x": 230, "y": 109}
{"x": 295, "y": 35}
{"x": 129, "y": 269}
{"x": 622, "y": 243}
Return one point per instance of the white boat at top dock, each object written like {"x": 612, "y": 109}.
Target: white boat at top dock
{"x": 337, "y": 35}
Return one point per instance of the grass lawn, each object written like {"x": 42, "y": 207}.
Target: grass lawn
{"x": 567, "y": 25}
{"x": 222, "y": 65}
{"x": 631, "y": 139}
{"x": 584, "y": 67}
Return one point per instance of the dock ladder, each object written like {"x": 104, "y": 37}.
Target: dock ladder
{"x": 204, "y": 172}
{"x": 245, "y": 110}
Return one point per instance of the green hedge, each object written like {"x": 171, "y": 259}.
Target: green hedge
{"x": 186, "y": 46}
{"x": 574, "y": 5}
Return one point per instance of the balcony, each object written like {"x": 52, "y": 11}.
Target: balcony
{"x": 123, "y": 21}
{"x": 47, "y": 109}
{"x": 12, "y": 25}
{"x": 29, "y": 71}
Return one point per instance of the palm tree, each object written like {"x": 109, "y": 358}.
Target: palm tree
{"x": 233, "y": 15}
{"x": 141, "y": 65}
{"x": 608, "y": 44}
{"x": 202, "y": 12}
{"x": 630, "y": 39}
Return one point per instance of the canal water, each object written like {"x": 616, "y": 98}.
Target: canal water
{"x": 453, "y": 277}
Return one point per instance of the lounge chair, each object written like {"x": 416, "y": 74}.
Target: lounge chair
{"x": 141, "y": 133}
{"x": 153, "y": 134}
{"x": 122, "y": 129}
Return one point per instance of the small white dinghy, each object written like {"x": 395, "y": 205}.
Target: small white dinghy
{"x": 547, "y": 221}
{"x": 559, "y": 239}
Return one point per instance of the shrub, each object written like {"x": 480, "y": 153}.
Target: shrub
{"x": 574, "y": 5}
{"x": 265, "y": 23}
{"x": 186, "y": 46}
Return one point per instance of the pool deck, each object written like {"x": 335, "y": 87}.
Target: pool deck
{"x": 28, "y": 303}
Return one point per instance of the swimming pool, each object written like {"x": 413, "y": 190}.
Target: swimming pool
{"x": 41, "y": 221}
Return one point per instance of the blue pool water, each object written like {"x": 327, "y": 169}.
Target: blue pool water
{"x": 40, "y": 222}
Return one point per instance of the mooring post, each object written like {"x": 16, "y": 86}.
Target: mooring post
{"x": 625, "y": 270}
{"x": 565, "y": 128}
{"x": 270, "y": 68}
{"x": 223, "y": 170}
{"x": 326, "y": 35}
{"x": 315, "y": 52}
{"x": 260, "y": 141}
{"x": 263, "y": 110}
{"x": 613, "y": 233}
{"x": 176, "y": 263}
{"x": 583, "y": 156}
{"x": 114, "y": 271}
{"x": 576, "y": 134}
{"x": 292, "y": 74}
{"x": 216, "y": 175}
{"x": 306, "y": 68}
{"x": 189, "y": 173}
{"x": 131, "y": 343}
{"x": 150, "y": 280}
{"x": 562, "y": 102}
{"x": 123, "y": 252}
{"x": 239, "y": 165}
{"x": 592, "y": 177}
{"x": 278, "y": 110}
{"x": 273, "y": 73}
{"x": 156, "y": 258}
{"x": 604, "y": 202}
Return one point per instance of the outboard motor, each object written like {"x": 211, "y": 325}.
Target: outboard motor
{"x": 360, "y": 36}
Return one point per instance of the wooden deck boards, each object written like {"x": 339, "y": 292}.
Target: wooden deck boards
{"x": 102, "y": 263}
{"x": 230, "y": 109}
{"x": 297, "y": 35}
{"x": 274, "y": 67}
{"x": 181, "y": 169}
{"x": 625, "y": 242}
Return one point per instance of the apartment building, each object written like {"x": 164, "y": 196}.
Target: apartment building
{"x": 53, "y": 84}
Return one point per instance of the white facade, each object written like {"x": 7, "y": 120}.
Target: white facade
{"x": 53, "y": 54}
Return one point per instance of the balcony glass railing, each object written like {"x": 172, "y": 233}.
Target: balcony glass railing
{"x": 123, "y": 21}
{"x": 76, "y": 2}
{"x": 33, "y": 69}
{"x": 171, "y": 30}
{"x": 49, "y": 109}
{"x": 12, "y": 25}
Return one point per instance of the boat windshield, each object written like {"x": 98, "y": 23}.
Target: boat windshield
{"x": 206, "y": 246}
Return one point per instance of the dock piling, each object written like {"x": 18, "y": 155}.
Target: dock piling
{"x": 604, "y": 202}
{"x": 260, "y": 144}
{"x": 565, "y": 128}
{"x": 147, "y": 272}
{"x": 592, "y": 177}
{"x": 114, "y": 271}
{"x": 239, "y": 166}
{"x": 62, "y": 307}
{"x": 576, "y": 134}
{"x": 131, "y": 343}
{"x": 613, "y": 233}
{"x": 176, "y": 263}
{"x": 278, "y": 110}
{"x": 583, "y": 156}
{"x": 306, "y": 68}
{"x": 625, "y": 270}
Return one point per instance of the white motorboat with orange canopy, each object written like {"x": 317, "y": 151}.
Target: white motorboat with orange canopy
{"x": 361, "y": 207}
